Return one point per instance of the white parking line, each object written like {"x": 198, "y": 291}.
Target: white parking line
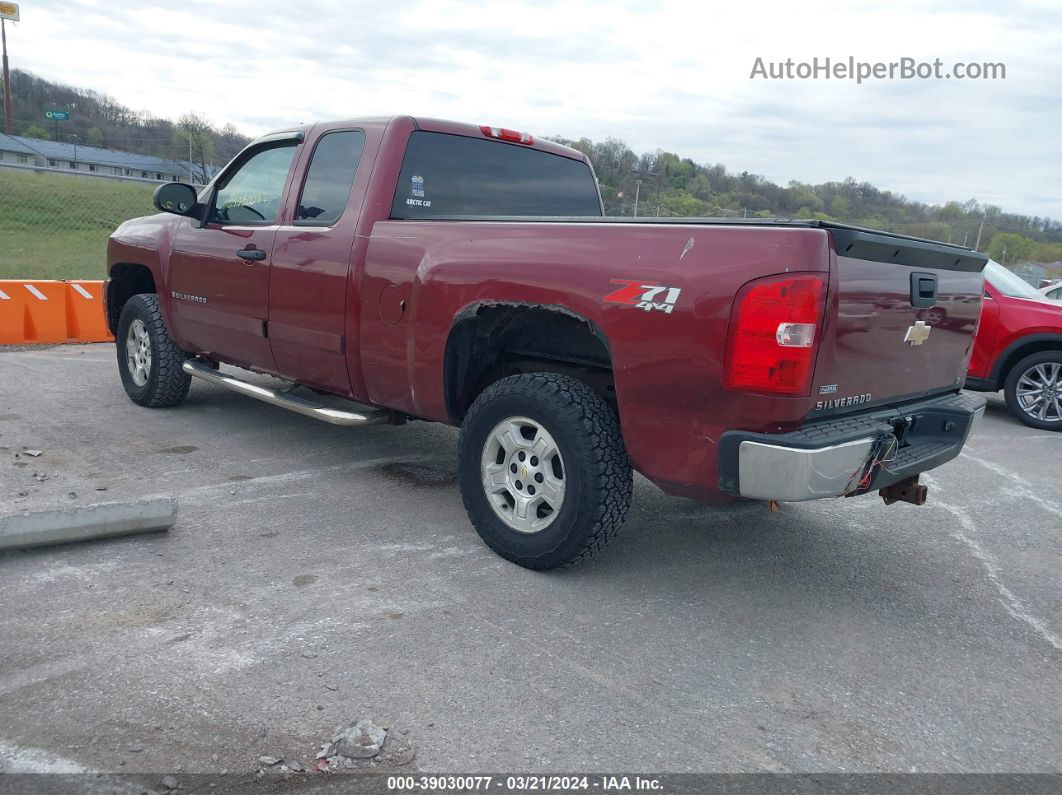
{"x": 19, "y": 759}
{"x": 1010, "y": 602}
{"x": 1022, "y": 487}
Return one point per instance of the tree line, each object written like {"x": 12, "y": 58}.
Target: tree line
{"x": 99, "y": 120}
{"x": 664, "y": 183}
{"x": 671, "y": 185}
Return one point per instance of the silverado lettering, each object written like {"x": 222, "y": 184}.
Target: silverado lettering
{"x": 853, "y": 400}
{"x": 494, "y": 306}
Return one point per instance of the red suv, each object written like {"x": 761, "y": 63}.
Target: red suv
{"x": 1018, "y": 348}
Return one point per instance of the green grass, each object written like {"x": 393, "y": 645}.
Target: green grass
{"x": 55, "y": 226}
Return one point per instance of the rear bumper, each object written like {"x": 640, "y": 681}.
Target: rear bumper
{"x": 848, "y": 455}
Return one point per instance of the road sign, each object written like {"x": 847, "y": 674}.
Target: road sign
{"x": 9, "y": 11}
{"x": 57, "y": 115}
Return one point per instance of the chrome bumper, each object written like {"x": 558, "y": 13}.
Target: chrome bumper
{"x": 771, "y": 472}
{"x": 836, "y": 456}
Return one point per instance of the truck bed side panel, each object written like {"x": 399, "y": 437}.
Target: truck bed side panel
{"x": 667, "y": 366}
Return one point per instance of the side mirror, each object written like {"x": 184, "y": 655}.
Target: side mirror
{"x": 178, "y": 198}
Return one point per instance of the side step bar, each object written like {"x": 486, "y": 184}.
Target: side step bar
{"x": 299, "y": 405}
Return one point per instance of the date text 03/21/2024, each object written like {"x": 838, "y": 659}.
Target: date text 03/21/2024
{"x": 521, "y": 783}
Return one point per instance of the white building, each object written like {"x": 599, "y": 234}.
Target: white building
{"x": 41, "y": 153}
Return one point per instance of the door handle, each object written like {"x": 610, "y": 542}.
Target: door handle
{"x": 923, "y": 289}
{"x": 251, "y": 253}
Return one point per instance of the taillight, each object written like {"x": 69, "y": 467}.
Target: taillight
{"x": 502, "y": 134}
{"x": 773, "y": 334}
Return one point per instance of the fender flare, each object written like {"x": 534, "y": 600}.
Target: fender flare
{"x": 453, "y": 374}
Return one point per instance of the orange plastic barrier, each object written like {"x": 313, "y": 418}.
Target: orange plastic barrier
{"x": 52, "y": 311}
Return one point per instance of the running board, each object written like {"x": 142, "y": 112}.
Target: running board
{"x": 319, "y": 411}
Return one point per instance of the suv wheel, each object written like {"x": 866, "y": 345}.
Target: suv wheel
{"x": 1033, "y": 390}
{"x": 544, "y": 475}
{"x": 148, "y": 359}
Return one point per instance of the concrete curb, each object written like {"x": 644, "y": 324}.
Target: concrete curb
{"x": 87, "y": 522}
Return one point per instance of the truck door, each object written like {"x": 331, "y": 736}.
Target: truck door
{"x": 220, "y": 276}
{"x": 310, "y": 276}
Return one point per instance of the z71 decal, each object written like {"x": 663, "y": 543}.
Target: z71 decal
{"x": 644, "y": 296}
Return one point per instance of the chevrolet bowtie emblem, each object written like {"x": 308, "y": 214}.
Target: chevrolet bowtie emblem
{"x": 918, "y": 333}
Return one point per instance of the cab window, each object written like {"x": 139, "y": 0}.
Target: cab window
{"x": 329, "y": 178}
{"x": 447, "y": 175}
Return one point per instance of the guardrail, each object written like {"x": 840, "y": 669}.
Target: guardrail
{"x": 46, "y": 311}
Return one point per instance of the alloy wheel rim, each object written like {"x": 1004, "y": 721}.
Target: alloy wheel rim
{"x": 523, "y": 474}
{"x": 138, "y": 352}
{"x": 1039, "y": 391}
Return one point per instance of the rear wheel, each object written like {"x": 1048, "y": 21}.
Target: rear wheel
{"x": 1033, "y": 390}
{"x": 148, "y": 359}
{"x": 544, "y": 475}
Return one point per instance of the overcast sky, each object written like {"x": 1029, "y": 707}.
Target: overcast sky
{"x": 658, "y": 75}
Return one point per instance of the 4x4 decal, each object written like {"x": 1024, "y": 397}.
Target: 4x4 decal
{"x": 644, "y": 296}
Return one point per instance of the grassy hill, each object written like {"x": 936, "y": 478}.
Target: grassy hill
{"x": 55, "y": 226}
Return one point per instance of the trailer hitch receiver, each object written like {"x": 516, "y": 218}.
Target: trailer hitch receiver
{"x": 909, "y": 490}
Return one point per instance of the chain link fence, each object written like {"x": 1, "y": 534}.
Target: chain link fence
{"x": 55, "y": 225}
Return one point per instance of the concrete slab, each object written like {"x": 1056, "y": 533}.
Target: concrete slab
{"x": 86, "y": 522}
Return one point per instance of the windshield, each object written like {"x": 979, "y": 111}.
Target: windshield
{"x": 1008, "y": 283}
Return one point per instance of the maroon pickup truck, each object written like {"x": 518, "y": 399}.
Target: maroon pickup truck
{"x": 423, "y": 269}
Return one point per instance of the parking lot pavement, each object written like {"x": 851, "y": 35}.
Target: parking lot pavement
{"x": 318, "y": 575}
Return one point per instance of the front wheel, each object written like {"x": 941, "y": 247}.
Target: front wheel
{"x": 544, "y": 475}
{"x": 148, "y": 359}
{"x": 1033, "y": 390}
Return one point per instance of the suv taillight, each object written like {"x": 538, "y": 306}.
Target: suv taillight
{"x": 774, "y": 330}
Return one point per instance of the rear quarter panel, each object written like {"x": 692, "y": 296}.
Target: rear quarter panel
{"x": 667, "y": 367}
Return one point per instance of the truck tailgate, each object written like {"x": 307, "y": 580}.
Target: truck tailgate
{"x": 900, "y": 322}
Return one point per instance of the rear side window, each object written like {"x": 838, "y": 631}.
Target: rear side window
{"x": 446, "y": 175}
{"x": 328, "y": 179}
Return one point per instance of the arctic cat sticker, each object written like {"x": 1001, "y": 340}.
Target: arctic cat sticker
{"x": 416, "y": 188}
{"x": 649, "y": 297}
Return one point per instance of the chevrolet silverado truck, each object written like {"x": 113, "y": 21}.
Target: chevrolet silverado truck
{"x": 400, "y": 268}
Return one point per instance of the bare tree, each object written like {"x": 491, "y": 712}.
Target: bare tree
{"x": 201, "y": 133}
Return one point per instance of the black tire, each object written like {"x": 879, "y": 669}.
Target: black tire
{"x": 596, "y": 472}
{"x": 166, "y": 383}
{"x": 1053, "y": 412}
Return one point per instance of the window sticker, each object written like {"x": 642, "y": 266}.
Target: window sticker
{"x": 417, "y": 190}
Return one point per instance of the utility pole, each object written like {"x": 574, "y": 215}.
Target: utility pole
{"x": 638, "y": 186}
{"x": 191, "y": 179}
{"x": 977, "y": 245}
{"x": 8, "y": 122}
